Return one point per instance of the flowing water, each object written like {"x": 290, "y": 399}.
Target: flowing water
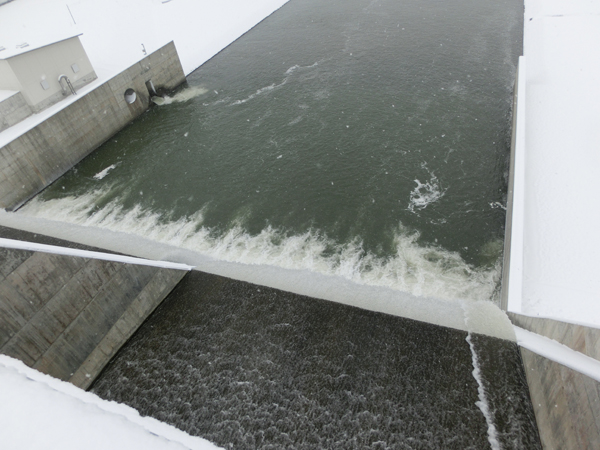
{"x": 365, "y": 139}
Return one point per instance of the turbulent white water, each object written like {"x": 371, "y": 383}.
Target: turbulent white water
{"x": 425, "y": 193}
{"x": 182, "y": 96}
{"x": 100, "y": 175}
{"x": 417, "y": 270}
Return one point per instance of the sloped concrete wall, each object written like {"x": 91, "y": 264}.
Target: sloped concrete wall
{"x": 37, "y": 158}
{"x": 566, "y": 403}
{"x": 67, "y": 316}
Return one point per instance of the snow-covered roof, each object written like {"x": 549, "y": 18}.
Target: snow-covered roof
{"x": 17, "y": 46}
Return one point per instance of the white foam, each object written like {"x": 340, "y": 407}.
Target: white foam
{"x": 415, "y": 269}
{"x": 273, "y": 86}
{"x": 238, "y": 256}
{"x": 182, "y": 96}
{"x": 259, "y": 92}
{"x": 483, "y": 403}
{"x": 104, "y": 172}
{"x": 425, "y": 193}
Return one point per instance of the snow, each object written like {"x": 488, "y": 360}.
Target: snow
{"x": 41, "y": 412}
{"x": 561, "y": 187}
{"x": 39, "y": 41}
{"x": 100, "y": 175}
{"x": 34, "y": 247}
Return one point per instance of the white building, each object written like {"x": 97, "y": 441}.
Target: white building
{"x": 34, "y": 76}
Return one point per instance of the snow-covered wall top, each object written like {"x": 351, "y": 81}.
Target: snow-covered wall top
{"x": 39, "y": 411}
{"x": 561, "y": 239}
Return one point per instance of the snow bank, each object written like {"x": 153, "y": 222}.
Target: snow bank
{"x": 561, "y": 238}
{"x": 40, "y": 412}
{"x": 116, "y": 34}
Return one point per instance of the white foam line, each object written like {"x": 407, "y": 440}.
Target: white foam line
{"x": 483, "y": 403}
{"x": 31, "y": 246}
{"x": 559, "y": 353}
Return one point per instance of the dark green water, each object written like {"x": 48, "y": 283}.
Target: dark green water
{"x": 362, "y": 139}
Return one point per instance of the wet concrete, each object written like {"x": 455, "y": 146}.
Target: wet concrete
{"x": 252, "y": 367}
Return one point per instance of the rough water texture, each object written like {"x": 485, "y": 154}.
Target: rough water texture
{"x": 246, "y": 366}
{"x": 365, "y": 140}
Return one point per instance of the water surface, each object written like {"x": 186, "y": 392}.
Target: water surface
{"x": 362, "y": 139}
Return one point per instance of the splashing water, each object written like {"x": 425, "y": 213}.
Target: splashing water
{"x": 180, "y": 97}
{"x": 425, "y": 193}
{"x": 419, "y": 270}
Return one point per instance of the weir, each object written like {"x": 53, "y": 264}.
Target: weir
{"x": 249, "y": 365}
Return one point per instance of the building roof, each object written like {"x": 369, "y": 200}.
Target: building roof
{"x": 17, "y": 46}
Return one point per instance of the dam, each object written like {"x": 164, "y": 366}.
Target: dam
{"x": 407, "y": 243}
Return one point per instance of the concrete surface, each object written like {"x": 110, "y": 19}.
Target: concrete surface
{"x": 67, "y": 316}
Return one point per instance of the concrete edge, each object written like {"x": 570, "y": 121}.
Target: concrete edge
{"x": 57, "y": 250}
{"x": 580, "y": 338}
{"x": 512, "y": 268}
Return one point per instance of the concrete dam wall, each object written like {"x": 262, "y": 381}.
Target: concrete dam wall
{"x": 40, "y": 156}
{"x": 67, "y": 316}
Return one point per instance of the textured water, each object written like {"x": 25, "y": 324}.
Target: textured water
{"x": 362, "y": 139}
{"x": 251, "y": 367}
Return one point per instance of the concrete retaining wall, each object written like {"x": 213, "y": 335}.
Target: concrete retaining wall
{"x": 37, "y": 158}
{"x": 67, "y": 316}
{"x": 12, "y": 110}
{"x": 566, "y": 402}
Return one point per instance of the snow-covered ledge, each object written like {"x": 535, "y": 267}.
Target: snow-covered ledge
{"x": 39, "y": 411}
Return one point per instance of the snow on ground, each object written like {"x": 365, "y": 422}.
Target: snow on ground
{"x": 114, "y": 31}
{"x": 562, "y": 156}
{"x": 41, "y": 412}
